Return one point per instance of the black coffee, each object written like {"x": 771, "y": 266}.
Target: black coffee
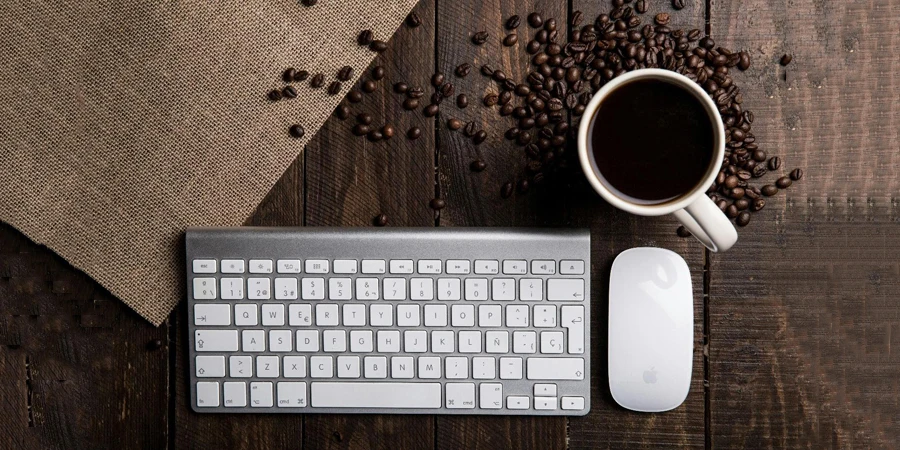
{"x": 652, "y": 141}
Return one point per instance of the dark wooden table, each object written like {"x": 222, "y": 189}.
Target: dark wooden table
{"x": 798, "y": 326}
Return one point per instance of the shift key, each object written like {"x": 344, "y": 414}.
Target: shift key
{"x": 555, "y": 369}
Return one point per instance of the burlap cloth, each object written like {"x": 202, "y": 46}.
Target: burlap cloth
{"x": 123, "y": 122}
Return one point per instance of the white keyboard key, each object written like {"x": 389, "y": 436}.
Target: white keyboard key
{"x": 497, "y": 341}
{"x": 321, "y": 367}
{"x": 448, "y": 288}
{"x": 524, "y": 342}
{"x": 476, "y": 289}
{"x": 503, "y": 288}
{"x": 246, "y": 315}
{"x": 210, "y": 366}
{"x": 240, "y": 366}
{"x": 429, "y": 266}
{"x": 300, "y": 315}
{"x": 260, "y": 266}
{"x": 375, "y": 395}
{"x": 292, "y": 394}
{"x": 565, "y": 289}
{"x": 261, "y": 395}
{"x": 259, "y": 288}
{"x": 253, "y": 341}
{"x": 442, "y": 341}
{"x": 312, "y": 288}
{"x": 307, "y": 341}
{"x": 545, "y": 316}
{"x": 515, "y": 267}
{"x": 361, "y": 341}
{"x": 267, "y": 366}
{"x": 490, "y": 395}
{"x": 281, "y": 341}
{"x": 456, "y": 368}
{"x": 334, "y": 340}
{"x": 573, "y": 320}
{"x": 231, "y": 288}
{"x": 204, "y": 288}
{"x": 571, "y": 267}
{"x": 354, "y": 315}
{"x": 294, "y": 366}
{"x": 348, "y": 367}
{"x": 374, "y": 266}
{"x": 516, "y": 316}
{"x": 435, "y": 315}
{"x": 408, "y": 315}
{"x": 316, "y": 266}
{"x": 286, "y": 289}
{"x": 288, "y": 265}
{"x": 487, "y": 267}
{"x": 469, "y": 341}
{"x": 401, "y": 266}
{"x": 210, "y": 314}
{"x": 551, "y": 342}
{"x": 545, "y": 403}
{"x": 340, "y": 289}
{"x": 402, "y": 367}
{"x": 272, "y": 314}
{"x": 489, "y": 315}
{"x": 573, "y": 403}
{"x": 460, "y": 396}
{"x": 511, "y": 368}
{"x": 518, "y": 402}
{"x": 415, "y": 341}
{"x": 326, "y": 315}
{"x": 388, "y": 341}
{"x": 555, "y": 368}
{"x": 345, "y": 266}
{"x": 429, "y": 367}
{"x": 458, "y": 267}
{"x": 367, "y": 289}
{"x": 204, "y": 266}
{"x": 235, "y": 394}
{"x": 381, "y": 315}
{"x": 543, "y": 267}
{"x": 207, "y": 394}
{"x": 484, "y": 368}
{"x": 375, "y": 367}
{"x": 394, "y": 288}
{"x": 232, "y": 266}
{"x": 216, "y": 340}
{"x": 531, "y": 289}
{"x": 544, "y": 390}
{"x": 421, "y": 289}
{"x": 463, "y": 315}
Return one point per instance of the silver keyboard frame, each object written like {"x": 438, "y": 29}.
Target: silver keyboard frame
{"x": 394, "y": 243}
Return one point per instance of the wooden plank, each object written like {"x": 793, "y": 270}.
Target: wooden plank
{"x": 803, "y": 310}
{"x": 284, "y": 204}
{"x": 75, "y": 366}
{"x": 350, "y": 180}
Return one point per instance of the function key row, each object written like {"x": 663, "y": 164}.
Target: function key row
{"x": 396, "y": 266}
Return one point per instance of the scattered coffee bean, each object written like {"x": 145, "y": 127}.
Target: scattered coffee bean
{"x": 683, "y": 232}
{"x": 662, "y": 19}
{"x": 510, "y": 40}
{"x": 345, "y": 73}
{"x": 415, "y": 92}
{"x": 288, "y": 75}
{"x": 354, "y": 96}
{"x": 641, "y": 7}
{"x": 477, "y": 166}
{"x": 342, "y": 112}
{"x": 401, "y": 87}
{"x": 360, "y": 130}
{"x": 742, "y": 204}
{"x": 758, "y": 204}
{"x": 743, "y": 219}
{"x": 479, "y": 37}
{"x": 297, "y": 131}
{"x": 678, "y": 4}
{"x": 377, "y": 73}
{"x": 437, "y": 204}
{"x": 369, "y": 86}
{"x": 491, "y": 99}
{"x": 380, "y": 220}
{"x": 364, "y": 37}
{"x": 513, "y": 22}
{"x": 523, "y": 186}
{"x": 301, "y": 75}
{"x": 437, "y": 79}
{"x": 387, "y": 131}
{"x": 462, "y": 101}
{"x": 577, "y": 18}
{"x": 413, "y": 20}
{"x": 375, "y": 136}
{"x": 769, "y": 190}
{"x": 430, "y": 110}
{"x": 796, "y": 174}
{"x": 783, "y": 182}
{"x": 309, "y": 2}
{"x": 274, "y": 95}
{"x": 487, "y": 71}
{"x": 410, "y": 104}
{"x": 786, "y": 59}
{"x": 774, "y": 163}
{"x": 463, "y": 69}
{"x": 334, "y": 88}
{"x": 731, "y": 211}
{"x": 378, "y": 46}
{"x": 470, "y": 129}
{"x": 535, "y": 20}
{"x": 479, "y": 137}
{"x": 364, "y": 118}
{"x": 454, "y": 124}
{"x": 414, "y": 133}
{"x": 506, "y": 190}
{"x": 317, "y": 81}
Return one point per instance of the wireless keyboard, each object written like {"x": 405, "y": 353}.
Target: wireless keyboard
{"x": 405, "y": 321}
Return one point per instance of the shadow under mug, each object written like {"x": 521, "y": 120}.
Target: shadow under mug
{"x": 694, "y": 209}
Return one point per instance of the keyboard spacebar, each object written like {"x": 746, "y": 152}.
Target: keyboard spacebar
{"x": 376, "y": 395}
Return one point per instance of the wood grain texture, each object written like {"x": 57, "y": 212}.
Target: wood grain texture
{"x": 75, "y": 369}
{"x": 803, "y": 310}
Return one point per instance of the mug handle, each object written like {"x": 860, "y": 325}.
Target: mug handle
{"x": 708, "y": 224}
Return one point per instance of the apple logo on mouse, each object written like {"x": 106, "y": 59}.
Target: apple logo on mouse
{"x": 650, "y": 376}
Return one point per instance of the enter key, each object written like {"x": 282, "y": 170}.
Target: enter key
{"x": 573, "y": 320}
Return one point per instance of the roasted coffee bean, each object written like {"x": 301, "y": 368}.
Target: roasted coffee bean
{"x": 387, "y": 131}
{"x": 463, "y": 69}
{"x": 744, "y": 175}
{"x": 289, "y": 92}
{"x": 380, "y": 220}
{"x": 722, "y": 204}
{"x": 737, "y": 193}
{"x": 415, "y": 92}
{"x": 743, "y": 219}
{"x": 513, "y": 22}
{"x": 364, "y": 37}
{"x": 477, "y": 165}
{"x": 360, "y": 129}
{"x": 535, "y": 20}
{"x": 437, "y": 98}
{"x": 378, "y": 46}
{"x": 437, "y": 79}
{"x": 523, "y": 186}
{"x": 345, "y": 73}
{"x": 479, "y": 37}
{"x": 454, "y": 124}
{"x": 491, "y": 99}
{"x": 511, "y": 133}
{"x": 274, "y": 95}
{"x": 334, "y": 88}
{"x": 470, "y": 129}
{"x": 661, "y": 19}
{"x": 533, "y": 47}
{"x": 297, "y": 131}
{"x": 430, "y": 110}
{"x": 499, "y": 76}
{"x": 550, "y": 25}
{"x": 678, "y": 4}
{"x": 640, "y": 6}
{"x": 288, "y": 74}
{"x": 437, "y": 204}
{"x": 369, "y": 86}
{"x": 374, "y": 136}
{"x": 758, "y": 204}
{"x": 783, "y": 182}
{"x": 796, "y": 174}
{"x": 774, "y": 163}
{"x": 731, "y": 181}
{"x": 317, "y": 81}
{"x": 786, "y": 59}
{"x": 769, "y": 190}
{"x": 377, "y": 73}
{"x": 752, "y": 193}
{"x": 342, "y": 112}
{"x": 364, "y": 118}
{"x": 479, "y": 137}
{"x": 410, "y": 104}
{"x": 309, "y": 2}
{"x": 414, "y": 133}
{"x": 401, "y": 88}
{"x": 681, "y": 231}
{"x": 301, "y": 75}
{"x": 413, "y": 20}
{"x": 731, "y": 211}
{"x": 510, "y": 40}
{"x": 462, "y": 101}
{"x": 759, "y": 170}
{"x": 744, "y": 61}
{"x": 506, "y": 190}
{"x": 505, "y": 97}
{"x": 487, "y": 71}
{"x": 522, "y": 90}
{"x": 742, "y": 204}
{"x": 759, "y": 155}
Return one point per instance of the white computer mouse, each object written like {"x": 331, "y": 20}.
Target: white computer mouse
{"x": 651, "y": 329}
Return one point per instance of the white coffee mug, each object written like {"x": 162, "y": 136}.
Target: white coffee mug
{"x": 694, "y": 209}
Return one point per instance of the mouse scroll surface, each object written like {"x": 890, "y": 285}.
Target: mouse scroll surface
{"x": 651, "y": 328}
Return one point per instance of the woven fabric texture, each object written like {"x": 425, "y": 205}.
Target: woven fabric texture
{"x": 124, "y": 122}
